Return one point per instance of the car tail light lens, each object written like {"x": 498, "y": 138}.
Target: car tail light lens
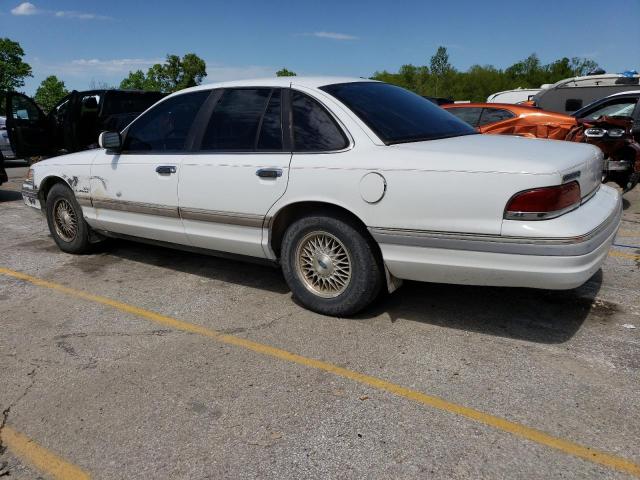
{"x": 543, "y": 203}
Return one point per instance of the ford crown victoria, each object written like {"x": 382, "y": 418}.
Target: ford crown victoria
{"x": 349, "y": 185}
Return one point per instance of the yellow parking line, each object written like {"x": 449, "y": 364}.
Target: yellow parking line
{"x": 41, "y": 458}
{"x": 522, "y": 431}
{"x": 632, "y": 256}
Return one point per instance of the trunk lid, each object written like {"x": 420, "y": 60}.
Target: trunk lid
{"x": 507, "y": 154}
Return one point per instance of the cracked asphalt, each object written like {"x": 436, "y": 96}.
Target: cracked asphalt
{"x": 123, "y": 397}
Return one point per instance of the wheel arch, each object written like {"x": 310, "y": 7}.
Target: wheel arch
{"x": 291, "y": 212}
{"x": 45, "y": 187}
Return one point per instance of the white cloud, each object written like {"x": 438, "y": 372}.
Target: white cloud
{"x": 331, "y": 35}
{"x": 116, "y": 65}
{"x": 93, "y": 67}
{"x": 26, "y": 8}
{"x": 81, "y": 15}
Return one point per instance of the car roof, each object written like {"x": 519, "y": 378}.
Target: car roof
{"x": 310, "y": 82}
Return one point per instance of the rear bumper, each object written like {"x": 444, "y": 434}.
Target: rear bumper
{"x": 551, "y": 263}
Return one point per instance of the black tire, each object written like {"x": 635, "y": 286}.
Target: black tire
{"x": 366, "y": 272}
{"x": 61, "y": 195}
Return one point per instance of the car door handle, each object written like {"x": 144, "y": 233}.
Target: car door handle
{"x": 269, "y": 172}
{"x": 166, "y": 169}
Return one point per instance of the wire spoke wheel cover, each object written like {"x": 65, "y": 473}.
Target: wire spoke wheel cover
{"x": 65, "y": 220}
{"x": 323, "y": 264}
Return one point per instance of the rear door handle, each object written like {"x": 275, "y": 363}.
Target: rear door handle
{"x": 166, "y": 169}
{"x": 269, "y": 172}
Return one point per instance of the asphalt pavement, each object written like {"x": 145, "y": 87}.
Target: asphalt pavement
{"x": 142, "y": 362}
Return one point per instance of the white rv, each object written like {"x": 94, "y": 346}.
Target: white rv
{"x": 517, "y": 95}
{"x": 571, "y": 94}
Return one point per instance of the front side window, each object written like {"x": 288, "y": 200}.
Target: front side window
{"x": 165, "y": 127}
{"x": 616, "y": 108}
{"x": 470, "y": 115}
{"x": 492, "y": 115}
{"x": 245, "y": 119}
{"x": 314, "y": 130}
{"x": 24, "y": 109}
{"x": 397, "y": 115}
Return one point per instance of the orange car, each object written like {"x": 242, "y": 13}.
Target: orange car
{"x": 508, "y": 119}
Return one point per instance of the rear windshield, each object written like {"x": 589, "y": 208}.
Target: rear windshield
{"x": 396, "y": 115}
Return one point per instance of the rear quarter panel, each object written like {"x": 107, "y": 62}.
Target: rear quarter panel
{"x": 419, "y": 195}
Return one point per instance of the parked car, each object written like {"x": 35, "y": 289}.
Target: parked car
{"x": 611, "y": 123}
{"x": 349, "y": 185}
{"x": 74, "y": 123}
{"x": 512, "y": 119}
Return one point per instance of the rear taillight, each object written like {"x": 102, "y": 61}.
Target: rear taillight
{"x": 543, "y": 203}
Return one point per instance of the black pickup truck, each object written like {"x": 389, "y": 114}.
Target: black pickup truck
{"x": 74, "y": 123}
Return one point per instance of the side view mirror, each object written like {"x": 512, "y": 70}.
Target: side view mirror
{"x": 110, "y": 141}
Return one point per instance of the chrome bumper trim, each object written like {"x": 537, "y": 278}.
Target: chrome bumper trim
{"x": 565, "y": 246}
{"x": 30, "y": 194}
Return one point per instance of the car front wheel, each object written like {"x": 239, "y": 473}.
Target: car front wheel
{"x": 331, "y": 266}
{"x": 65, "y": 220}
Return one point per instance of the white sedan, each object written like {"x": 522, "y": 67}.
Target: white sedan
{"x": 349, "y": 185}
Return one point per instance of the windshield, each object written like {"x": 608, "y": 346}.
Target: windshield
{"x": 396, "y": 115}
{"x": 621, "y": 108}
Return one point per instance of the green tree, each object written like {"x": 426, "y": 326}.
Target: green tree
{"x": 50, "y": 92}
{"x": 480, "y": 81}
{"x": 285, "y": 73}
{"x": 134, "y": 81}
{"x": 582, "y": 66}
{"x": 13, "y": 70}
{"x": 173, "y": 75}
{"x": 440, "y": 66}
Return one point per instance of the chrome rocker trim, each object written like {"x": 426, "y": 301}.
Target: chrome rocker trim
{"x": 197, "y": 214}
{"x": 136, "y": 207}
{"x": 229, "y": 218}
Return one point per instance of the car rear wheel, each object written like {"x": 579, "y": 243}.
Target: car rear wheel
{"x": 66, "y": 222}
{"x": 331, "y": 266}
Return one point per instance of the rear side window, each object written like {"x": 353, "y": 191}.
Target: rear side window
{"x": 235, "y": 120}
{"x": 270, "y": 137}
{"x": 492, "y": 115}
{"x": 469, "y": 115}
{"x": 314, "y": 130}
{"x": 165, "y": 127}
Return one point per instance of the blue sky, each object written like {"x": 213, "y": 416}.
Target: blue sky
{"x": 81, "y": 41}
